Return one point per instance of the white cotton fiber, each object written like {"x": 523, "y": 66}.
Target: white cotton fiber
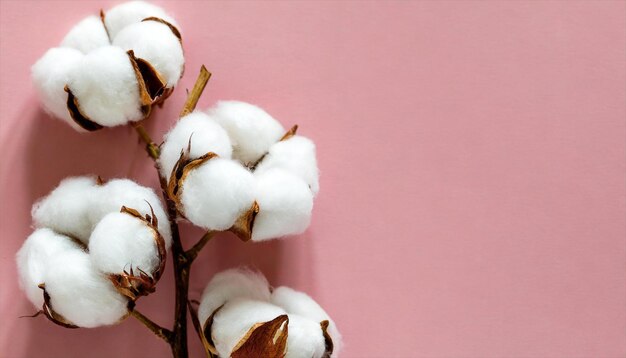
{"x": 121, "y": 242}
{"x": 285, "y": 205}
{"x": 50, "y": 75}
{"x": 131, "y": 12}
{"x": 296, "y": 155}
{"x": 252, "y": 131}
{"x": 106, "y": 88}
{"x": 87, "y": 35}
{"x": 305, "y": 338}
{"x": 206, "y": 136}
{"x": 80, "y": 293}
{"x": 232, "y": 322}
{"x": 66, "y": 209}
{"x": 216, "y": 193}
{"x": 230, "y": 284}
{"x": 154, "y": 42}
{"x": 300, "y": 303}
{"x": 33, "y": 258}
{"x": 123, "y": 192}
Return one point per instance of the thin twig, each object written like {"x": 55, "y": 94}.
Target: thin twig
{"x": 196, "y": 92}
{"x": 177, "y": 337}
{"x": 151, "y": 147}
{"x": 159, "y": 331}
{"x": 195, "y": 249}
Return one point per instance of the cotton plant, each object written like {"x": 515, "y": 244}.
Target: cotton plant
{"x": 110, "y": 70}
{"x": 234, "y": 167}
{"x": 239, "y": 309}
{"x": 98, "y": 246}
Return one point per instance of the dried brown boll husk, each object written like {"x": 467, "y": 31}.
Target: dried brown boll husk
{"x": 136, "y": 284}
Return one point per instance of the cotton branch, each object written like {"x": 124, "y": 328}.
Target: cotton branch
{"x": 195, "y": 249}
{"x": 151, "y": 147}
{"x": 159, "y": 331}
{"x": 196, "y": 92}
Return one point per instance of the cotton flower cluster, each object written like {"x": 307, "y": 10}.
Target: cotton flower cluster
{"x": 110, "y": 70}
{"x": 97, "y": 247}
{"x": 242, "y": 316}
{"x": 234, "y": 167}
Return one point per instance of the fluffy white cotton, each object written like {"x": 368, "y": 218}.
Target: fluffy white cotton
{"x": 305, "y": 338}
{"x": 87, "y": 35}
{"x": 233, "y": 321}
{"x": 252, "y": 131}
{"x": 105, "y": 85}
{"x": 246, "y": 301}
{"x": 285, "y": 205}
{"x": 123, "y": 192}
{"x": 33, "y": 258}
{"x": 299, "y": 303}
{"x": 131, "y": 12}
{"x": 50, "y": 75}
{"x": 296, "y": 155}
{"x": 216, "y": 193}
{"x": 66, "y": 209}
{"x": 156, "y": 43}
{"x": 80, "y": 293}
{"x": 230, "y": 284}
{"x": 206, "y": 136}
{"x": 121, "y": 242}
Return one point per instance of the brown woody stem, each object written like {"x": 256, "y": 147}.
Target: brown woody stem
{"x": 159, "y": 331}
{"x": 195, "y": 249}
{"x": 151, "y": 147}
{"x": 196, "y": 92}
{"x": 177, "y": 338}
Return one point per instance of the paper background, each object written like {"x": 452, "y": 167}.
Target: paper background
{"x": 472, "y": 200}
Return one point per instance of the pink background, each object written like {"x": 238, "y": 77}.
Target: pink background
{"x": 472, "y": 158}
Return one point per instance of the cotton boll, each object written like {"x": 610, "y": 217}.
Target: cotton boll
{"x": 305, "y": 339}
{"x": 87, "y": 35}
{"x": 206, "y": 136}
{"x": 66, "y": 209}
{"x": 106, "y": 88}
{"x": 156, "y": 43}
{"x": 252, "y": 131}
{"x": 131, "y": 12}
{"x": 232, "y": 322}
{"x": 216, "y": 193}
{"x": 230, "y": 284}
{"x": 296, "y": 155}
{"x": 50, "y": 75}
{"x": 80, "y": 293}
{"x": 33, "y": 257}
{"x": 300, "y": 303}
{"x": 285, "y": 203}
{"x": 121, "y": 242}
{"x": 123, "y": 192}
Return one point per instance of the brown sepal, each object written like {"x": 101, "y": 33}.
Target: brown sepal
{"x": 268, "y": 339}
{"x": 172, "y": 27}
{"x": 181, "y": 169}
{"x": 207, "y": 338}
{"x": 134, "y": 285}
{"x": 102, "y": 18}
{"x": 145, "y": 97}
{"x": 245, "y": 223}
{"x": 74, "y": 108}
{"x": 330, "y": 346}
{"x": 51, "y": 314}
{"x": 290, "y": 133}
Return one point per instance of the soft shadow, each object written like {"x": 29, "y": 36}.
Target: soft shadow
{"x": 288, "y": 261}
